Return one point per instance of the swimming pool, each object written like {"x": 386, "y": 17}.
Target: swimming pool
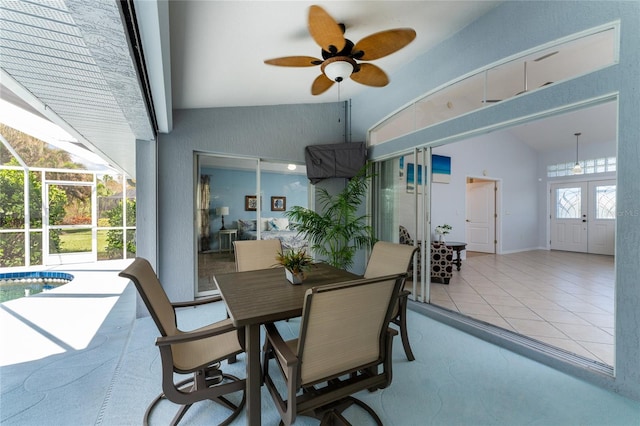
{"x": 14, "y": 285}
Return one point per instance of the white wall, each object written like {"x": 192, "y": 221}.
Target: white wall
{"x": 496, "y": 156}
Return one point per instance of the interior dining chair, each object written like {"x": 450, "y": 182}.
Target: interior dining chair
{"x": 390, "y": 258}
{"x": 344, "y": 346}
{"x": 197, "y": 352}
{"x": 252, "y": 255}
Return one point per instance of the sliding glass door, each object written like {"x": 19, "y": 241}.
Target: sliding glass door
{"x": 241, "y": 199}
{"x": 401, "y": 200}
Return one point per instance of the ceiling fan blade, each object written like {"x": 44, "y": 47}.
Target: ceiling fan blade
{"x": 370, "y": 75}
{"x": 294, "y": 61}
{"x": 384, "y": 43}
{"x": 325, "y": 30}
{"x": 320, "y": 85}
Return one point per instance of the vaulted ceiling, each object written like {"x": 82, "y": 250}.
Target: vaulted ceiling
{"x": 71, "y": 61}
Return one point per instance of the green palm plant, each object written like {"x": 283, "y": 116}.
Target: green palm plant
{"x": 337, "y": 231}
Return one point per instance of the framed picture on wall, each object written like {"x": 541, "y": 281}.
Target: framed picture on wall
{"x": 250, "y": 203}
{"x": 278, "y": 204}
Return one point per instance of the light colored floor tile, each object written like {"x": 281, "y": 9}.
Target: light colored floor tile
{"x": 566, "y": 317}
{"x": 585, "y": 333}
{"x": 520, "y": 312}
{"x": 535, "y": 329}
{"x": 491, "y": 291}
{"x": 448, "y": 304}
{"x": 495, "y": 320}
{"x": 581, "y": 307}
{"x": 467, "y": 298}
{"x": 599, "y": 320}
{"x": 568, "y": 345}
{"x": 473, "y": 309}
{"x": 603, "y": 351}
{"x": 541, "y": 304}
{"x": 501, "y": 300}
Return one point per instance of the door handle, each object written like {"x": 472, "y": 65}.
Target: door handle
{"x": 584, "y": 220}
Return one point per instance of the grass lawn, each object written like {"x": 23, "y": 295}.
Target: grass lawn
{"x": 79, "y": 240}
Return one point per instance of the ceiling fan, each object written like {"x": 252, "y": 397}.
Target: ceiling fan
{"x": 340, "y": 56}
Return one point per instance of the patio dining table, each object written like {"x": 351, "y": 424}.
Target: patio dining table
{"x": 257, "y": 297}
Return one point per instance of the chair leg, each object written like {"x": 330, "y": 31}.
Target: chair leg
{"x": 202, "y": 380}
{"x": 183, "y": 408}
{"x": 402, "y": 324}
{"x": 331, "y": 414}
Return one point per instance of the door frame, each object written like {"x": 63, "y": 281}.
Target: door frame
{"x": 68, "y": 258}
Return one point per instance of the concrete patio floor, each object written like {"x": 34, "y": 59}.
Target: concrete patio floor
{"x": 78, "y": 356}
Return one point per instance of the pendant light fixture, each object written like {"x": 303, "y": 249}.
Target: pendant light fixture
{"x": 577, "y": 169}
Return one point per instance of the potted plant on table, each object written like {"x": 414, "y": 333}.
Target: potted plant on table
{"x": 443, "y": 230}
{"x": 296, "y": 263}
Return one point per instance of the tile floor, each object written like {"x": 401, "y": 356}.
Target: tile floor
{"x": 561, "y": 298}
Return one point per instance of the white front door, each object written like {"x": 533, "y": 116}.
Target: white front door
{"x": 602, "y": 217}
{"x": 583, "y": 217}
{"x": 569, "y": 217}
{"x": 481, "y": 216}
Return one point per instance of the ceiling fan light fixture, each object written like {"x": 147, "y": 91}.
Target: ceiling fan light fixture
{"x": 338, "y": 68}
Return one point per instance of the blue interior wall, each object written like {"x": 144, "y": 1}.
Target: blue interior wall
{"x": 229, "y": 188}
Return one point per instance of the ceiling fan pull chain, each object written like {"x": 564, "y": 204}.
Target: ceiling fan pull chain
{"x": 339, "y": 99}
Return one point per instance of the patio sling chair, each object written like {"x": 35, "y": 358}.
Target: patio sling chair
{"x": 256, "y": 254}
{"x": 389, "y": 258}
{"x": 196, "y": 352}
{"x": 344, "y": 346}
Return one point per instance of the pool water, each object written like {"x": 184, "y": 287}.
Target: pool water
{"x": 15, "y": 285}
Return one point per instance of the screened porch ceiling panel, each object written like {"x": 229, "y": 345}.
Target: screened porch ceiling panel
{"x": 73, "y": 57}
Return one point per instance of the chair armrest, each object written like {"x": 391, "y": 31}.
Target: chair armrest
{"x": 196, "y": 302}
{"x": 190, "y": 336}
{"x": 392, "y": 332}
{"x": 279, "y": 345}
{"x": 404, "y": 294}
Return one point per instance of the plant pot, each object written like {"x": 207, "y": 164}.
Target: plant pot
{"x": 294, "y": 278}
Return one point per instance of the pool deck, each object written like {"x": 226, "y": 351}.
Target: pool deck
{"x": 83, "y": 324}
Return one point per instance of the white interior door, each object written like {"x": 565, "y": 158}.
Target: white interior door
{"x": 481, "y": 216}
{"x": 602, "y": 217}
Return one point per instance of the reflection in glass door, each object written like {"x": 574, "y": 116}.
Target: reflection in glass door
{"x": 238, "y": 199}
{"x": 223, "y": 185}
{"x": 400, "y": 200}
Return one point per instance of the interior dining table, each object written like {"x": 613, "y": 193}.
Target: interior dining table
{"x": 262, "y": 296}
